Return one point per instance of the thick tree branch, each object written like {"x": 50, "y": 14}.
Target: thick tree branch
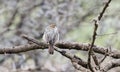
{"x": 22, "y": 48}
{"x": 79, "y": 46}
{"x": 111, "y": 64}
{"x": 61, "y": 45}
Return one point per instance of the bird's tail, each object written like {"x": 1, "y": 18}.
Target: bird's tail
{"x": 51, "y": 49}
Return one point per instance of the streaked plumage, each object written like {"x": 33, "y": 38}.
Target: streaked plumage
{"x": 51, "y": 36}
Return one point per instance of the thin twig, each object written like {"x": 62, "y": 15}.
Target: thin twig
{"x": 91, "y": 48}
{"x": 103, "y": 11}
{"x": 108, "y": 34}
{"x": 103, "y": 57}
{"x": 94, "y": 38}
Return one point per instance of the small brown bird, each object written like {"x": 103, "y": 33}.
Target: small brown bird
{"x": 51, "y": 36}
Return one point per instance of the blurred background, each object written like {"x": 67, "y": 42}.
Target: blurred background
{"x": 74, "y": 19}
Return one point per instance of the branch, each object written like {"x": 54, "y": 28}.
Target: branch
{"x": 75, "y": 60}
{"x": 91, "y": 52}
{"x": 22, "y": 48}
{"x": 105, "y": 56}
{"x": 111, "y": 64}
{"x": 91, "y": 49}
{"x": 93, "y": 41}
{"x": 61, "y": 45}
{"x": 79, "y": 67}
{"x": 102, "y": 12}
{"x": 86, "y": 46}
{"x": 79, "y": 46}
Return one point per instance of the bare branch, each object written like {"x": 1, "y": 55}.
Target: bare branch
{"x": 102, "y": 12}
{"x": 91, "y": 52}
{"x": 22, "y": 48}
{"x": 108, "y": 34}
{"x": 111, "y": 64}
{"x": 78, "y": 67}
{"x": 91, "y": 49}
{"x": 74, "y": 59}
{"x": 93, "y": 41}
{"x": 103, "y": 57}
{"x": 61, "y": 45}
{"x": 79, "y": 46}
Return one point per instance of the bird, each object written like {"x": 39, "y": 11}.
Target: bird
{"x": 51, "y": 36}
